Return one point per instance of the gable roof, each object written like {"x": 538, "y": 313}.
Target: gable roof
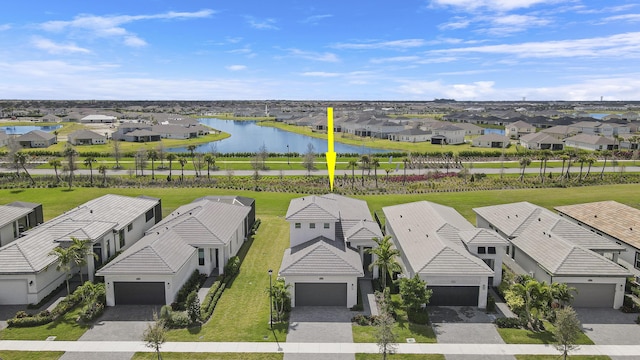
{"x": 85, "y": 134}
{"x": 321, "y": 256}
{"x": 9, "y": 214}
{"x": 36, "y": 135}
{"x": 591, "y": 139}
{"x": 313, "y": 207}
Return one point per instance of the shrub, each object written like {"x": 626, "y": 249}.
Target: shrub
{"x": 178, "y": 319}
{"x": 30, "y": 321}
{"x": 207, "y": 312}
{"x": 418, "y": 316}
{"x": 193, "y": 283}
{"x": 193, "y": 307}
{"x": 508, "y": 323}
{"x": 362, "y": 320}
{"x": 233, "y": 267}
{"x": 491, "y": 304}
{"x": 22, "y": 314}
{"x": 92, "y": 311}
{"x": 165, "y": 312}
{"x": 357, "y": 307}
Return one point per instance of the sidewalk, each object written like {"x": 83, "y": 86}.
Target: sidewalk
{"x": 314, "y": 348}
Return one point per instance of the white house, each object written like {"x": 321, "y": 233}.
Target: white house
{"x": 201, "y": 235}
{"x": 541, "y": 141}
{"x": 111, "y": 222}
{"x": 17, "y": 217}
{"x": 86, "y": 137}
{"x": 411, "y": 135}
{"x": 458, "y": 261}
{"x": 491, "y": 141}
{"x": 516, "y": 129}
{"x": 552, "y": 249}
{"x": 328, "y": 237}
{"x": 97, "y": 118}
{"x": 590, "y": 142}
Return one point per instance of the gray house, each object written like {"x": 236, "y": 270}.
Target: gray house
{"x": 86, "y": 137}
{"x": 36, "y": 139}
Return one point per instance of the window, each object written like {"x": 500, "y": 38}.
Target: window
{"x": 482, "y": 250}
{"x": 297, "y": 225}
{"x": 121, "y": 237}
{"x": 637, "y": 260}
{"x": 491, "y": 249}
{"x": 149, "y": 215}
{"x": 312, "y": 226}
{"x": 130, "y": 227}
{"x": 200, "y": 257}
{"x": 327, "y": 225}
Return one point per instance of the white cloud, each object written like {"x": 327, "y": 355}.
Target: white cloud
{"x": 435, "y": 89}
{"x": 622, "y": 18}
{"x": 508, "y": 24}
{"x": 236, "y": 67}
{"x": 264, "y": 24}
{"x": 392, "y": 44}
{"x": 497, "y": 5}
{"x": 311, "y": 55}
{"x": 395, "y": 59}
{"x": 5, "y": 27}
{"x": 315, "y": 19}
{"x": 53, "y": 48}
{"x": 111, "y": 26}
{"x": 626, "y": 45}
{"x": 320, "y": 74}
{"x": 455, "y": 23}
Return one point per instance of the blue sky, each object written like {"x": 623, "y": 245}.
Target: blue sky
{"x": 320, "y": 50}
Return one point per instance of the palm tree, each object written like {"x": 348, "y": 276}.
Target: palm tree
{"x": 524, "y": 162}
{"x": 20, "y": 158}
{"x": 280, "y": 295}
{"x": 544, "y": 157}
{"x": 153, "y": 155}
{"x": 211, "y": 161}
{"x": 582, "y": 158}
{"x": 376, "y": 164}
{"x": 536, "y": 296}
{"x": 102, "y": 169}
{"x": 88, "y": 162}
{"x": 183, "y": 162}
{"x": 81, "y": 249}
{"x": 70, "y": 154}
{"x": 64, "y": 258}
{"x": 56, "y": 163}
{"x": 364, "y": 160}
{"x": 564, "y": 159}
{"x": 385, "y": 255}
{"x": 192, "y": 149}
{"x": 352, "y": 165}
{"x": 170, "y": 158}
{"x": 590, "y": 161}
{"x": 605, "y": 154}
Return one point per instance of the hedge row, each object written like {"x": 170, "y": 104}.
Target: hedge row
{"x": 192, "y": 284}
{"x": 211, "y": 300}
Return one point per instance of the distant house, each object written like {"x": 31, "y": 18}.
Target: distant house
{"x": 411, "y": 135}
{"x": 36, "y": 139}
{"x": 202, "y": 235}
{"x": 96, "y": 118}
{"x": 591, "y": 142}
{"x": 552, "y": 249}
{"x": 16, "y": 218}
{"x": 541, "y": 141}
{"x": 559, "y": 131}
{"x": 471, "y": 129}
{"x": 329, "y": 235}
{"x": 86, "y": 137}
{"x": 142, "y": 135}
{"x": 457, "y": 260}
{"x": 519, "y": 128}
{"x": 491, "y": 141}
{"x": 600, "y": 128}
{"x": 614, "y": 221}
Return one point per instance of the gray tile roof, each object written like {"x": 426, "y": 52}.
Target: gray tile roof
{"x": 427, "y": 235}
{"x": 9, "y": 214}
{"x": 313, "y": 208}
{"x": 85, "y": 134}
{"x": 591, "y": 139}
{"x": 362, "y": 231}
{"x": 35, "y": 135}
{"x": 321, "y": 256}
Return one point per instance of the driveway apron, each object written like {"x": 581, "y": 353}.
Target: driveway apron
{"x": 609, "y": 327}
{"x": 320, "y": 324}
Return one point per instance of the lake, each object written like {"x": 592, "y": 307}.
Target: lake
{"x": 246, "y": 136}
{"x": 23, "y": 129}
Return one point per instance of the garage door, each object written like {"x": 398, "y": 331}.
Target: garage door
{"x": 454, "y": 295}
{"x": 139, "y": 293}
{"x": 13, "y": 292}
{"x": 593, "y": 295}
{"x": 323, "y": 294}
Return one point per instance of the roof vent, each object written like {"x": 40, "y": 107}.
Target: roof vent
{"x": 595, "y": 216}
{"x": 508, "y": 217}
{"x": 409, "y": 230}
{"x": 630, "y": 229}
{"x": 516, "y": 215}
{"x": 91, "y": 211}
{"x": 400, "y": 216}
{"x": 549, "y": 235}
{"x": 539, "y": 219}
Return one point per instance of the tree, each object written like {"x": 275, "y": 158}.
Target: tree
{"x": 117, "y": 152}
{"x": 562, "y": 293}
{"x": 170, "y": 157}
{"x": 414, "y": 293}
{"x": 376, "y": 164}
{"x": 88, "y": 162}
{"x": 182, "y": 162}
{"x": 590, "y": 161}
{"x": 70, "y": 154}
{"x": 198, "y": 163}
{"x": 352, "y": 165}
{"x": 384, "y": 327}
{"x": 161, "y": 154}
{"x": 605, "y": 154}
{"x": 211, "y": 161}
{"x": 102, "y": 169}
{"x": 582, "y": 158}
{"x": 64, "y": 259}
{"x": 544, "y": 157}
{"x": 524, "y": 162}
{"x": 281, "y": 298}
{"x": 56, "y": 163}
{"x": 20, "y": 158}
{"x": 155, "y": 335}
{"x": 193, "y": 307}
{"x": 385, "y": 255}
{"x": 564, "y": 159}
{"x": 309, "y": 159}
{"x": 534, "y": 297}
{"x": 153, "y": 155}
{"x": 81, "y": 249}
{"x": 192, "y": 149}
{"x": 567, "y": 329}
{"x": 141, "y": 160}
{"x": 364, "y": 164}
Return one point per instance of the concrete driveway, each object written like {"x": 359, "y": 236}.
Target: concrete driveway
{"x": 464, "y": 325}
{"x": 320, "y": 324}
{"x": 9, "y": 311}
{"x": 609, "y": 326}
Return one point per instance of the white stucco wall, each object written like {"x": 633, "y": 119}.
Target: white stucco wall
{"x": 305, "y": 233}
{"x": 531, "y": 266}
{"x": 6, "y": 234}
{"x": 140, "y": 226}
{"x": 351, "y": 281}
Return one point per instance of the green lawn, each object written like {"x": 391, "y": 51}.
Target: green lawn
{"x": 65, "y": 328}
{"x": 401, "y": 357}
{"x": 208, "y": 356}
{"x": 522, "y": 336}
{"x": 30, "y": 355}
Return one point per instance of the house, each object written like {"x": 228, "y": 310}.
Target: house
{"x": 591, "y": 142}
{"x": 491, "y": 141}
{"x": 36, "y": 139}
{"x": 112, "y": 223}
{"x": 541, "y": 141}
{"x": 17, "y": 217}
{"x": 470, "y": 129}
{"x": 201, "y": 235}
{"x": 328, "y": 236}
{"x": 142, "y": 135}
{"x": 458, "y": 261}
{"x": 552, "y": 249}
{"x": 517, "y": 129}
{"x": 86, "y": 137}
{"x": 600, "y": 128}
{"x": 616, "y": 222}
{"x": 447, "y": 134}
{"x": 559, "y": 131}
{"x": 97, "y": 118}
{"x": 411, "y": 135}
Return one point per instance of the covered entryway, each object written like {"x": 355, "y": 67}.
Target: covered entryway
{"x": 593, "y": 295}
{"x": 321, "y": 294}
{"x": 139, "y": 293}
{"x": 14, "y": 292}
{"x": 454, "y": 295}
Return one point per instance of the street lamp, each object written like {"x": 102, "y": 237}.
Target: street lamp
{"x": 288, "y": 155}
{"x": 271, "y": 299}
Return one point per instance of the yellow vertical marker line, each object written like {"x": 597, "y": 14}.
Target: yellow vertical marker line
{"x": 330, "y": 154}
